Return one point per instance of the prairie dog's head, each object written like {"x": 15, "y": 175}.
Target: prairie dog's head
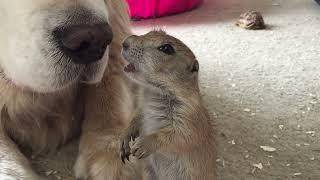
{"x": 158, "y": 59}
{"x": 47, "y": 45}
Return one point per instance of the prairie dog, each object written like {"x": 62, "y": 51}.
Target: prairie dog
{"x": 171, "y": 129}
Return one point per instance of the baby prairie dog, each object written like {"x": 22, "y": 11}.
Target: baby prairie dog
{"x": 171, "y": 129}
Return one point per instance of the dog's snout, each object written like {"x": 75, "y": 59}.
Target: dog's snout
{"x": 84, "y": 43}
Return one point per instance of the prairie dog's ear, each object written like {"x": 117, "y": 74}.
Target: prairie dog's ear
{"x": 195, "y": 66}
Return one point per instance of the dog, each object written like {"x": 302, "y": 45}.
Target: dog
{"x": 61, "y": 78}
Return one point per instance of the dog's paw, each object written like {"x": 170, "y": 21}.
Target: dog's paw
{"x": 142, "y": 147}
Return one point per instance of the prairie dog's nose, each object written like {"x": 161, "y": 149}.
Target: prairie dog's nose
{"x": 127, "y": 43}
{"x": 84, "y": 43}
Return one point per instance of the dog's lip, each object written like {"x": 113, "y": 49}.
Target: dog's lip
{"x": 130, "y": 68}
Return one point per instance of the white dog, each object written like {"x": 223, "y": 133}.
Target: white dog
{"x": 48, "y": 50}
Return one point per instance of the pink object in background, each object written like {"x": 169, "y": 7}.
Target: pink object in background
{"x": 142, "y": 9}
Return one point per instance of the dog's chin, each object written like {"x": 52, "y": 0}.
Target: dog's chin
{"x": 56, "y": 82}
{"x": 43, "y": 89}
{"x": 94, "y": 73}
{"x": 59, "y": 84}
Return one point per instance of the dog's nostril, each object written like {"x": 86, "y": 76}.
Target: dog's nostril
{"x": 84, "y": 43}
{"x": 78, "y": 41}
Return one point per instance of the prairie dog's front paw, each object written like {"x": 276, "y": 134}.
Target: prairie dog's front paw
{"x": 142, "y": 147}
{"x": 130, "y": 134}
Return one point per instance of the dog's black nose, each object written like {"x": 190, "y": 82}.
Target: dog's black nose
{"x": 84, "y": 43}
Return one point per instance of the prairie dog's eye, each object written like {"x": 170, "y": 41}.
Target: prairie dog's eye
{"x": 167, "y": 48}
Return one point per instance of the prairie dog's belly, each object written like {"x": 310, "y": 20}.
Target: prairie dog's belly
{"x": 155, "y": 115}
{"x": 151, "y": 125}
{"x": 169, "y": 166}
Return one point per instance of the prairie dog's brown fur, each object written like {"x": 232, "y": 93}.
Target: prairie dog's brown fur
{"x": 171, "y": 129}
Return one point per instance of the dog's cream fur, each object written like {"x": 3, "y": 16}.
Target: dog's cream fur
{"x": 43, "y": 103}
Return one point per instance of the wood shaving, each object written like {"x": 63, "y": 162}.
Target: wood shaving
{"x": 275, "y": 136}
{"x": 259, "y": 166}
{"x": 312, "y": 95}
{"x": 233, "y": 142}
{"x": 281, "y": 127}
{"x": 222, "y": 162}
{"x": 48, "y": 173}
{"x": 268, "y": 148}
{"x": 313, "y": 102}
{"x": 297, "y": 174}
{"x": 253, "y": 170}
{"x": 268, "y": 164}
{"x": 310, "y": 132}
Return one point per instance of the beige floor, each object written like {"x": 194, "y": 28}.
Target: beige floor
{"x": 262, "y": 87}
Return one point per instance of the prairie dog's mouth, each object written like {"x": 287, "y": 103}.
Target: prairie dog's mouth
{"x": 130, "y": 68}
